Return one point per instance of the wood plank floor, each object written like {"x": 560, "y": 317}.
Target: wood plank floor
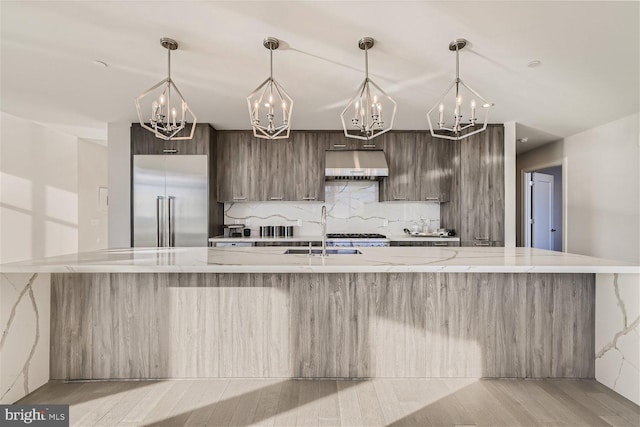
{"x": 379, "y": 402}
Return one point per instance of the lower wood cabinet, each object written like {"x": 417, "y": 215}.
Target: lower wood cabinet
{"x": 418, "y": 243}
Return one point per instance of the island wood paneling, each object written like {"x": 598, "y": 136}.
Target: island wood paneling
{"x": 348, "y": 325}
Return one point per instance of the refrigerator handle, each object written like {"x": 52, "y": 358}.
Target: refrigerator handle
{"x": 159, "y": 233}
{"x": 172, "y": 231}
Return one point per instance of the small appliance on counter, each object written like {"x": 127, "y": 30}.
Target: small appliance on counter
{"x": 235, "y": 230}
{"x": 276, "y": 231}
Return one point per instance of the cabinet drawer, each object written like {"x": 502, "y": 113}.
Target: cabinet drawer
{"x": 447, "y": 243}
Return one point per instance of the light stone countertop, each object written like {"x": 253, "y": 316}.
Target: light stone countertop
{"x": 392, "y": 238}
{"x": 273, "y": 260}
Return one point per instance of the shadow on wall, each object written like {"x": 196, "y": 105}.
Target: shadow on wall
{"x": 38, "y": 220}
{"x": 38, "y": 190}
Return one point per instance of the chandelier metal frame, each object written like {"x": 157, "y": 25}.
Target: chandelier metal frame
{"x": 161, "y": 123}
{"x": 267, "y": 90}
{"x": 368, "y": 121}
{"x": 455, "y": 131}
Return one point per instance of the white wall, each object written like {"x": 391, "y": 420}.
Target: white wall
{"x": 601, "y": 177}
{"x": 92, "y": 175}
{"x": 510, "y": 184}
{"x": 119, "y": 146}
{"x": 38, "y": 190}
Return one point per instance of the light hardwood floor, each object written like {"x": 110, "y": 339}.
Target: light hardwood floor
{"x": 379, "y": 402}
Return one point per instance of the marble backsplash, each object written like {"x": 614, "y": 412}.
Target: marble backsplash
{"x": 352, "y": 206}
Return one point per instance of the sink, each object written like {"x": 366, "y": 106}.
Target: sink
{"x": 319, "y": 251}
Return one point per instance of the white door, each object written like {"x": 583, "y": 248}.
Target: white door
{"x": 542, "y": 211}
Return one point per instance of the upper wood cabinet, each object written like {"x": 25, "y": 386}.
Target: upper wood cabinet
{"x": 435, "y": 168}
{"x": 238, "y": 168}
{"x": 308, "y": 164}
{"x": 255, "y": 169}
{"x": 482, "y": 188}
{"x": 420, "y": 168}
{"x": 145, "y": 142}
{"x": 401, "y": 184}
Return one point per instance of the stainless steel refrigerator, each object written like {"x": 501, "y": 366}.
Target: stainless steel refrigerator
{"x": 170, "y": 200}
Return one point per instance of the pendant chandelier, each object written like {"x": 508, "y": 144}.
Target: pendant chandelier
{"x": 167, "y": 105}
{"x": 450, "y": 118}
{"x": 365, "y": 110}
{"x": 270, "y": 106}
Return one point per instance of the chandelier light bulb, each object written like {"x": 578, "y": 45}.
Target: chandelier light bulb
{"x": 367, "y": 121}
{"x": 164, "y": 121}
{"x": 269, "y": 122}
{"x": 462, "y": 123}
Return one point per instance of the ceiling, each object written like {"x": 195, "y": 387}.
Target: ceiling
{"x": 589, "y": 53}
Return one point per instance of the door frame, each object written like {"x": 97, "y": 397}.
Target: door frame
{"x": 530, "y": 212}
{"x": 525, "y": 205}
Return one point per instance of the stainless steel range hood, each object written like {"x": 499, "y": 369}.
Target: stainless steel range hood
{"x": 355, "y": 164}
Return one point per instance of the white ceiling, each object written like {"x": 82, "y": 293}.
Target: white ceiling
{"x": 589, "y": 53}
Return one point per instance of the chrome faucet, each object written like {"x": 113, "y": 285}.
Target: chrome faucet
{"x": 323, "y": 222}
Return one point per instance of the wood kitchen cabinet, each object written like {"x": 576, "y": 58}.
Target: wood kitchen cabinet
{"x": 273, "y": 164}
{"x": 420, "y": 167}
{"x": 337, "y": 141}
{"x": 481, "y": 188}
{"x": 238, "y": 167}
{"x": 400, "y": 185}
{"x": 308, "y": 161}
{"x": 145, "y": 142}
{"x": 255, "y": 169}
{"x": 435, "y": 168}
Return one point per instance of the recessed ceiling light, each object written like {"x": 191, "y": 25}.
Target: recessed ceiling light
{"x": 100, "y": 63}
{"x": 525, "y": 139}
{"x": 534, "y": 63}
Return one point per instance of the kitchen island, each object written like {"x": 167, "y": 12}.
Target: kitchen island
{"x": 256, "y": 312}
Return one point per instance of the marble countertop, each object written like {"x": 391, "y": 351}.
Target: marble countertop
{"x": 407, "y": 238}
{"x": 222, "y": 239}
{"x": 273, "y": 260}
{"x": 392, "y": 238}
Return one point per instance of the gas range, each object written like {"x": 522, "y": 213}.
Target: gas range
{"x": 357, "y": 240}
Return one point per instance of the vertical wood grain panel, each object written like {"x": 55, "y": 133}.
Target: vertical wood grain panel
{"x": 278, "y": 326}
{"x": 496, "y": 183}
{"x": 540, "y": 321}
{"x": 400, "y": 325}
{"x": 363, "y": 294}
{"x": 450, "y": 211}
{"x": 322, "y": 325}
{"x": 400, "y": 185}
{"x": 572, "y": 331}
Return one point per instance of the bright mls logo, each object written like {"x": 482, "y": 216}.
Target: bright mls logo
{"x": 34, "y": 415}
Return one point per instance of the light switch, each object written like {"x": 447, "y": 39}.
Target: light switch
{"x": 299, "y": 223}
{"x": 385, "y": 222}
